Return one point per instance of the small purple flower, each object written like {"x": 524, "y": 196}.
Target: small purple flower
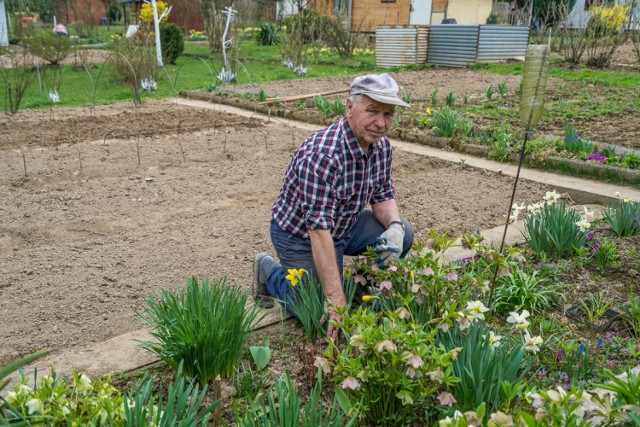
{"x": 581, "y": 348}
{"x": 560, "y": 355}
{"x": 599, "y": 344}
{"x": 469, "y": 259}
{"x": 596, "y": 157}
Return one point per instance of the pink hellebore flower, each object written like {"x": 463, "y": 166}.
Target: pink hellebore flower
{"x": 393, "y": 268}
{"x": 350, "y": 383}
{"x": 415, "y": 361}
{"x": 323, "y": 364}
{"x": 403, "y": 313}
{"x": 444, "y": 327}
{"x": 503, "y": 272}
{"x": 446, "y": 399}
{"x": 386, "y": 284}
{"x": 411, "y": 373}
{"x": 415, "y": 288}
{"x": 387, "y": 345}
{"x": 359, "y": 279}
{"x": 452, "y": 277}
{"x": 427, "y": 271}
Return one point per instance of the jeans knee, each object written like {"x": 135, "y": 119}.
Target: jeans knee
{"x": 408, "y": 238}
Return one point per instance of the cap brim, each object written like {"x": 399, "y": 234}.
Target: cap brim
{"x": 391, "y": 100}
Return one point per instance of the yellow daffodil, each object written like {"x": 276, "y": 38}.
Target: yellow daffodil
{"x": 428, "y": 111}
{"x": 367, "y": 298}
{"x": 294, "y": 275}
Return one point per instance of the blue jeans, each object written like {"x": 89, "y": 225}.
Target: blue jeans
{"x": 295, "y": 252}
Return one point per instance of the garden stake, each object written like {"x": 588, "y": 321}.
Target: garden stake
{"x": 184, "y": 157}
{"x": 24, "y": 162}
{"x": 79, "y": 158}
{"x": 534, "y": 83}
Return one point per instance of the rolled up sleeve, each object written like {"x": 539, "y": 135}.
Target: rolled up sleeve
{"x": 384, "y": 189}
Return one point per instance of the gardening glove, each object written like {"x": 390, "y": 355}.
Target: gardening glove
{"x": 389, "y": 244}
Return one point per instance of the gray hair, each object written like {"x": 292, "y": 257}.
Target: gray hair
{"x": 355, "y": 98}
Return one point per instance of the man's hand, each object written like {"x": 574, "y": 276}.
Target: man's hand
{"x": 389, "y": 244}
{"x": 331, "y": 314}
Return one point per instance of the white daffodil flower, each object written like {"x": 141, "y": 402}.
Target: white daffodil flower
{"x": 531, "y": 343}
{"x": 588, "y": 213}
{"x": 476, "y": 310}
{"x": 617, "y": 194}
{"x": 518, "y": 319}
{"x": 515, "y": 213}
{"x": 583, "y": 224}
{"x": 494, "y": 340}
{"x": 551, "y": 197}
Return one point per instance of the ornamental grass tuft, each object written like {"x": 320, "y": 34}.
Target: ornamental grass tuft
{"x": 205, "y": 325}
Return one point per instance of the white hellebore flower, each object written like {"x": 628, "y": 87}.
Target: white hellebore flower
{"x": 387, "y": 345}
{"x": 551, "y": 197}
{"x": 84, "y": 384}
{"x": 583, "y": 224}
{"x": 414, "y": 361}
{"x": 36, "y": 406}
{"x": 476, "y": 310}
{"x": 531, "y": 343}
{"x": 617, "y": 194}
{"x": 350, "y": 383}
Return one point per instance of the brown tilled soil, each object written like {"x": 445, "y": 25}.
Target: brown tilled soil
{"x": 121, "y": 204}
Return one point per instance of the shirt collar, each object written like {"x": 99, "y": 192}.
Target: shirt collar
{"x": 353, "y": 145}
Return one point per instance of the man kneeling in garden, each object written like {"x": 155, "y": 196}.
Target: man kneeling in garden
{"x": 320, "y": 214}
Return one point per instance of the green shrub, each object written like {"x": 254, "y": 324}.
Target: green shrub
{"x": 205, "y": 325}
{"x": 521, "y": 290}
{"x": 553, "y": 231}
{"x": 267, "y": 36}
{"x": 625, "y": 218}
{"x": 49, "y": 47}
{"x": 172, "y": 42}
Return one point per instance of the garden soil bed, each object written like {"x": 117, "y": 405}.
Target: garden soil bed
{"x": 89, "y": 233}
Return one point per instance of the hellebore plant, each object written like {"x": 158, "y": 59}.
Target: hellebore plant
{"x": 390, "y": 365}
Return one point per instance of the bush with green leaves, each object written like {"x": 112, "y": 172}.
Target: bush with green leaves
{"x": 519, "y": 290}
{"x": 268, "y": 35}
{"x": 283, "y": 408}
{"x": 624, "y": 218}
{"x": 390, "y": 365}
{"x": 204, "y": 325}
{"x": 172, "y": 42}
{"x": 52, "y": 49}
{"x": 554, "y": 231}
{"x": 491, "y": 368}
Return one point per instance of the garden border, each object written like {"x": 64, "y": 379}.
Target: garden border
{"x": 556, "y": 164}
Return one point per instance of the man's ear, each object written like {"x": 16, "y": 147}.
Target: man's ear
{"x": 349, "y": 107}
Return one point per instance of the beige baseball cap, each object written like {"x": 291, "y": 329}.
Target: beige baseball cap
{"x": 379, "y": 87}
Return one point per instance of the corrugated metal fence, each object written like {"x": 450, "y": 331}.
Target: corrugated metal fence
{"x": 449, "y": 44}
{"x": 397, "y": 46}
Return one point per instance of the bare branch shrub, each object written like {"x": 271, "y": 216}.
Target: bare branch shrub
{"x": 17, "y": 76}
{"x": 634, "y": 26}
{"x": 135, "y": 60}
{"x": 214, "y": 21}
{"x": 573, "y": 40}
{"x": 339, "y": 36}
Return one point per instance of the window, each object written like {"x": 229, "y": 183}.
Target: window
{"x": 388, "y": 1}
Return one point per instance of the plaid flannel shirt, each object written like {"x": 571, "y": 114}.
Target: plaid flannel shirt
{"x": 330, "y": 180}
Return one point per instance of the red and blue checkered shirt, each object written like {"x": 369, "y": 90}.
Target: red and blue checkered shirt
{"x": 330, "y": 180}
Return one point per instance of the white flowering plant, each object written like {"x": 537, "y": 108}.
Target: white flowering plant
{"x": 390, "y": 365}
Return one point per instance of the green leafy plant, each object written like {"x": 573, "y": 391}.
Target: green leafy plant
{"x": 488, "y": 366}
{"x": 553, "y": 231}
{"x": 521, "y": 290}
{"x": 450, "y": 99}
{"x": 465, "y": 98}
{"x": 323, "y": 105}
{"x": 574, "y": 144}
{"x": 172, "y": 42}
{"x": 283, "y": 408}
{"x": 249, "y": 383}
{"x": 386, "y": 364}
{"x": 205, "y": 325}
{"x": 502, "y": 88}
{"x": 262, "y": 95}
{"x": 606, "y": 255}
{"x": 50, "y": 48}
{"x": 631, "y": 315}
{"x": 489, "y": 92}
{"x": 183, "y": 405}
{"x": 308, "y": 305}
{"x": 338, "y": 107}
{"x": 434, "y": 98}
{"x": 627, "y": 390}
{"x": 267, "y": 36}
{"x": 446, "y": 122}
{"x": 595, "y": 306}
{"x": 9, "y": 413}
{"x": 624, "y": 219}
{"x": 405, "y": 96}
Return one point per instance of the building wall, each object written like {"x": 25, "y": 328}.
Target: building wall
{"x": 87, "y": 11}
{"x": 469, "y": 11}
{"x": 4, "y": 29}
{"x": 371, "y": 13}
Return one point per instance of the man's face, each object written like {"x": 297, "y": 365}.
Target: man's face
{"x": 370, "y": 120}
